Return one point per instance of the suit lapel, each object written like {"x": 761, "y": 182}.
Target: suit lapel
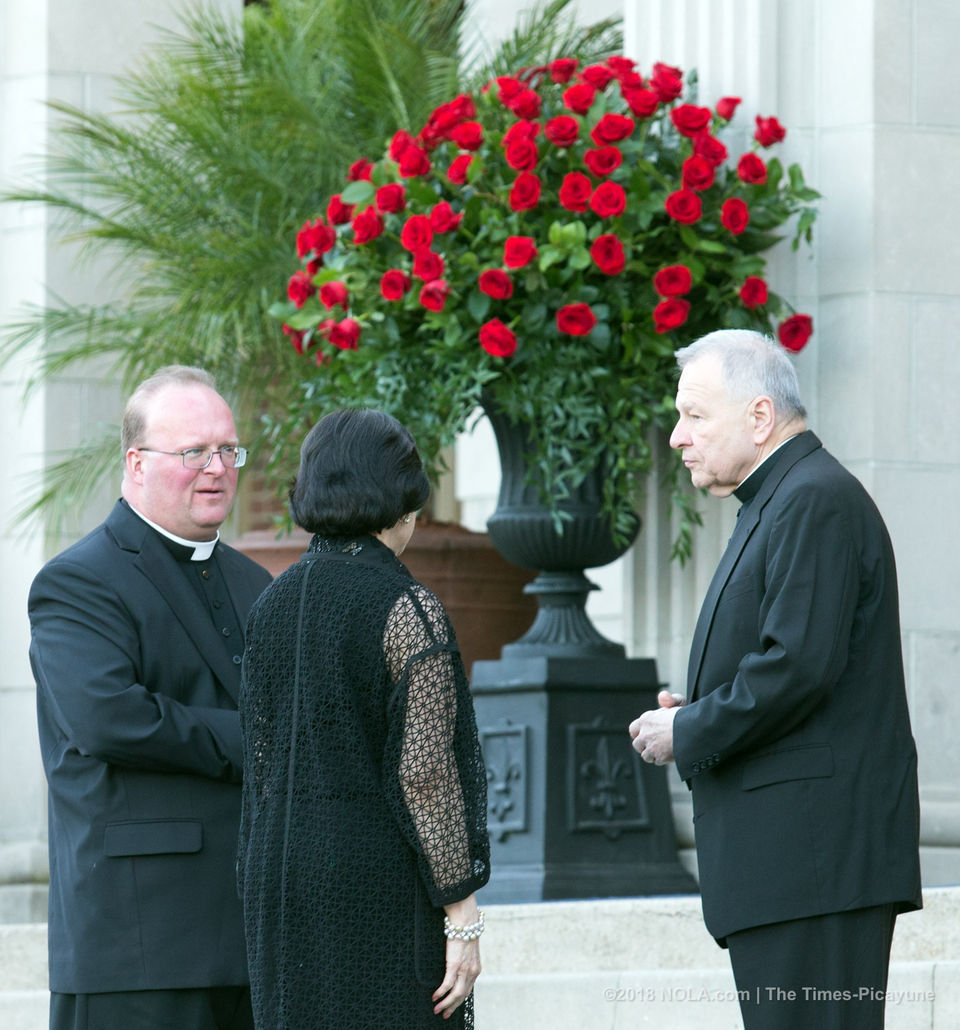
{"x": 748, "y": 521}
{"x": 161, "y": 570}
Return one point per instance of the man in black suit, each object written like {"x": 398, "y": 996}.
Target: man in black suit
{"x": 794, "y": 735}
{"x": 137, "y": 638}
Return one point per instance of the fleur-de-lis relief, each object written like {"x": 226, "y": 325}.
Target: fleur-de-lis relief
{"x": 606, "y": 797}
{"x": 500, "y": 780}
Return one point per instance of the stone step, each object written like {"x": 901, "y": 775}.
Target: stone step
{"x": 608, "y": 964}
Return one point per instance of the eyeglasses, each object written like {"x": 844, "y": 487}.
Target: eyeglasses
{"x": 200, "y": 457}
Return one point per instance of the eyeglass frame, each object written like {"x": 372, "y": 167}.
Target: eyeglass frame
{"x": 241, "y": 455}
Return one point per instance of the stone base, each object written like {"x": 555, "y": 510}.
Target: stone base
{"x": 572, "y": 810}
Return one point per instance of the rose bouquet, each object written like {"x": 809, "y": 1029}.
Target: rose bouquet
{"x": 544, "y": 247}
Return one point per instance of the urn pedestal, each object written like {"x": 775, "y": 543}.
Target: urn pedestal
{"x": 573, "y": 811}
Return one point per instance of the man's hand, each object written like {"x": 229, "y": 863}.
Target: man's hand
{"x": 652, "y": 732}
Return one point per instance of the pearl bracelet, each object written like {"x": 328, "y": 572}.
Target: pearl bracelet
{"x": 470, "y": 932}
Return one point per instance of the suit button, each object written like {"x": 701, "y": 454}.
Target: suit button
{"x": 225, "y": 631}
{"x": 237, "y": 659}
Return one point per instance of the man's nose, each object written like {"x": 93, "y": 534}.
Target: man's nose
{"x": 678, "y": 438}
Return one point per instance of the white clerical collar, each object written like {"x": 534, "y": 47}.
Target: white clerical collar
{"x": 766, "y": 459}
{"x": 201, "y": 550}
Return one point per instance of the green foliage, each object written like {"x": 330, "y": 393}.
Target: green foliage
{"x": 590, "y": 394}
{"x": 224, "y": 139}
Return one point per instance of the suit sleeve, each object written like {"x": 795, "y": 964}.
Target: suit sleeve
{"x": 85, "y": 652}
{"x": 807, "y": 590}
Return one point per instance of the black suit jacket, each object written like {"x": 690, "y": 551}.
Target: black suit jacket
{"x": 796, "y": 737}
{"x": 140, "y": 738}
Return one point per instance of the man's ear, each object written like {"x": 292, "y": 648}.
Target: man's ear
{"x": 133, "y": 462}
{"x": 763, "y": 417}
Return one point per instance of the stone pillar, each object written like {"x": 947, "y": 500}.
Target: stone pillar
{"x": 866, "y": 92}
{"x": 49, "y": 50}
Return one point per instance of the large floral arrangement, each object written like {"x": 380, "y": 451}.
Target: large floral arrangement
{"x": 545, "y": 246}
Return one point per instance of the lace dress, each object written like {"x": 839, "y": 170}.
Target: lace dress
{"x": 364, "y": 794}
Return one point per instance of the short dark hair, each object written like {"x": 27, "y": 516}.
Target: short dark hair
{"x": 359, "y": 473}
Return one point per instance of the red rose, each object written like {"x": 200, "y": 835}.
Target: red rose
{"x": 642, "y": 102}
{"x": 562, "y": 69}
{"x": 508, "y": 87}
{"x": 427, "y": 265}
{"x": 726, "y": 107}
{"x": 768, "y": 131}
{"x": 609, "y": 200}
{"x": 734, "y": 215}
{"x": 688, "y": 119}
{"x": 433, "y": 295}
{"x": 417, "y": 233}
{"x": 367, "y": 225}
{"x": 332, "y": 294}
{"x": 576, "y": 319}
{"x": 468, "y": 136}
{"x": 300, "y": 288}
{"x": 795, "y": 331}
{"x": 607, "y": 254}
{"x": 683, "y": 206}
{"x": 752, "y": 169}
{"x": 522, "y": 130}
{"x": 578, "y": 98}
{"x": 401, "y": 140}
{"x": 457, "y": 172}
{"x": 710, "y": 149}
{"x": 670, "y": 314}
{"x": 394, "y": 284}
{"x": 673, "y": 281}
{"x": 522, "y": 155}
{"x": 621, "y": 66}
{"x": 519, "y": 251}
{"x": 443, "y": 219}
{"x": 497, "y": 339}
{"x": 597, "y": 75}
{"x": 698, "y": 173}
{"x": 667, "y": 81}
{"x": 525, "y": 192}
{"x": 391, "y": 198}
{"x": 525, "y": 104}
{"x": 753, "y": 293}
{"x": 344, "y": 334}
{"x": 414, "y": 161}
{"x": 612, "y": 128}
{"x": 562, "y": 131}
{"x": 338, "y": 213}
{"x": 296, "y": 337}
{"x": 361, "y": 169}
{"x": 575, "y": 191}
{"x": 603, "y": 161}
{"x": 315, "y": 236}
{"x": 494, "y": 282}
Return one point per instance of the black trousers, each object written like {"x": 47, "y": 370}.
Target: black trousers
{"x": 202, "y": 1008}
{"x": 827, "y": 972}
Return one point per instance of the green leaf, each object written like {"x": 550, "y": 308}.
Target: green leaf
{"x": 478, "y": 304}
{"x": 359, "y": 192}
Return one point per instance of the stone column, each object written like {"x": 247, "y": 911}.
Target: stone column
{"x": 49, "y": 50}
{"x": 867, "y": 92}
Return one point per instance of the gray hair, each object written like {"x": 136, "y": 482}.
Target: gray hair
{"x": 752, "y": 365}
{"x": 134, "y": 423}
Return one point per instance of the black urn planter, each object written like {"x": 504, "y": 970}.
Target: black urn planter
{"x": 573, "y": 812}
{"x": 525, "y": 533}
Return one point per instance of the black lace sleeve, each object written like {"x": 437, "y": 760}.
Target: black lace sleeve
{"x": 440, "y": 786}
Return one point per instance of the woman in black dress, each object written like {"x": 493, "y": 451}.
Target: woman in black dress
{"x": 363, "y": 836}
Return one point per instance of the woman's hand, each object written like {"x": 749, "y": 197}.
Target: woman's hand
{"x": 463, "y": 961}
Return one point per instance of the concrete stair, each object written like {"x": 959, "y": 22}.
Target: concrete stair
{"x": 609, "y": 964}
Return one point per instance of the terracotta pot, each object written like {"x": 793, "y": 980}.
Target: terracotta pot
{"x": 481, "y": 590}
